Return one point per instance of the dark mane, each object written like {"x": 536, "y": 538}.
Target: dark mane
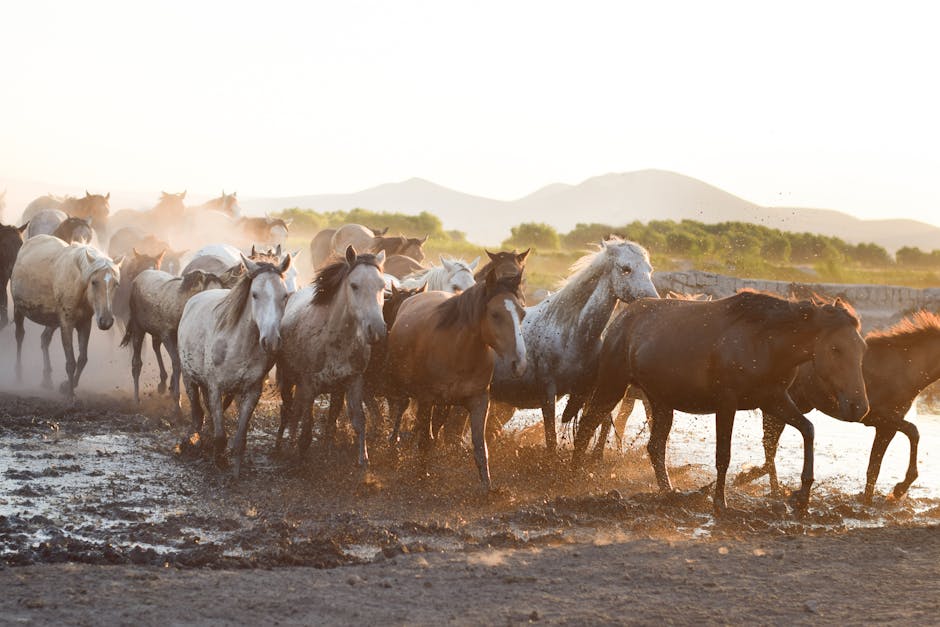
{"x": 229, "y": 310}
{"x": 467, "y": 307}
{"x": 773, "y": 311}
{"x": 191, "y": 279}
{"x": 329, "y": 278}
{"x": 911, "y": 329}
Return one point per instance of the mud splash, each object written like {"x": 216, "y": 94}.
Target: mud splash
{"x": 98, "y": 481}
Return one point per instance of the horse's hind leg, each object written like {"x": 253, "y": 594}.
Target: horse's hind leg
{"x": 4, "y": 280}
{"x": 214, "y": 402}
{"x": 660, "y": 427}
{"x": 358, "y": 419}
{"x": 478, "y": 407}
{"x": 396, "y": 409}
{"x": 18, "y": 319}
{"x": 137, "y": 363}
{"x": 173, "y": 350}
{"x": 246, "y": 407}
{"x": 155, "y": 342}
{"x": 68, "y": 386}
{"x": 784, "y": 409}
{"x": 883, "y": 437}
{"x": 302, "y": 410}
{"x": 910, "y": 430}
{"x": 287, "y": 414}
{"x": 195, "y": 405}
{"x": 724, "y": 426}
{"x": 548, "y": 419}
{"x": 45, "y": 341}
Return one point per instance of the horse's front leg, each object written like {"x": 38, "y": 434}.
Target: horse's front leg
{"x": 724, "y": 426}
{"x": 65, "y": 332}
{"x": 548, "y": 418}
{"x": 883, "y": 437}
{"x": 155, "y": 343}
{"x": 246, "y": 407}
{"x": 213, "y": 397}
{"x": 4, "y": 319}
{"x": 357, "y": 417}
{"x": 478, "y": 407}
{"x": 173, "y": 350}
{"x": 20, "y": 333}
{"x": 785, "y": 409}
{"x": 910, "y": 430}
{"x": 45, "y": 341}
{"x": 84, "y": 333}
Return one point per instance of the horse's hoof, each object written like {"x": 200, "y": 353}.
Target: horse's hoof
{"x": 799, "y": 501}
{"x": 66, "y": 388}
{"x": 161, "y": 388}
{"x": 899, "y": 491}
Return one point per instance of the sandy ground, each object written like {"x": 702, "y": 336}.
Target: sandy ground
{"x": 102, "y": 520}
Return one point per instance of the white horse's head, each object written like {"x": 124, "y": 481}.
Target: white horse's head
{"x": 630, "y": 269}
{"x": 268, "y": 296}
{"x": 364, "y": 291}
{"x": 459, "y": 275}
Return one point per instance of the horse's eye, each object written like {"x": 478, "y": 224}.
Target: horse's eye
{"x": 628, "y": 271}
{"x": 95, "y": 282}
{"x": 254, "y": 295}
{"x": 835, "y": 350}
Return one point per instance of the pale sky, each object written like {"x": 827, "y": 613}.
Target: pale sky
{"x": 821, "y": 104}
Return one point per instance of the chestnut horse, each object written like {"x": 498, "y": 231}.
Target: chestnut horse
{"x": 11, "y": 238}
{"x": 740, "y": 352}
{"x": 899, "y": 363}
{"x": 442, "y": 350}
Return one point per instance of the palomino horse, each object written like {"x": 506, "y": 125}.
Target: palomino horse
{"x": 267, "y": 231}
{"x": 321, "y": 248}
{"x": 328, "y": 332}
{"x": 129, "y": 239}
{"x": 93, "y": 206}
{"x": 228, "y": 340}
{"x": 161, "y": 219}
{"x": 156, "y": 305}
{"x": 899, "y": 363}
{"x": 133, "y": 266}
{"x": 11, "y": 239}
{"x": 62, "y": 286}
{"x": 563, "y": 332}
{"x": 453, "y": 275}
{"x": 740, "y": 352}
{"x": 442, "y": 349}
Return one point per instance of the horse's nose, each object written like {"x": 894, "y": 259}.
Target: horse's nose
{"x": 854, "y": 411}
{"x": 376, "y": 333}
{"x": 271, "y": 344}
{"x": 105, "y": 322}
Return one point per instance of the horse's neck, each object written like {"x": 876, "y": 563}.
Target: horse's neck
{"x": 794, "y": 346}
{"x": 591, "y": 297}
{"x": 924, "y": 359}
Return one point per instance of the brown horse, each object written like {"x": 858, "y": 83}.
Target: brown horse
{"x": 93, "y": 206}
{"x": 133, "y": 265}
{"x": 75, "y": 230}
{"x": 11, "y": 239}
{"x": 505, "y": 263}
{"x": 267, "y": 231}
{"x": 161, "y": 219}
{"x": 740, "y": 352}
{"x": 129, "y": 239}
{"x": 400, "y": 266}
{"x": 899, "y": 363}
{"x": 399, "y": 245}
{"x": 442, "y": 350}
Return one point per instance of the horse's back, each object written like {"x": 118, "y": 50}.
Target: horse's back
{"x": 45, "y": 222}
{"x": 208, "y": 263}
{"x": 40, "y": 204}
{"x": 355, "y": 235}
{"x": 35, "y": 274}
{"x": 401, "y": 266}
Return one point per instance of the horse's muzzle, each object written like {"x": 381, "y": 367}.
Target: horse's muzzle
{"x": 853, "y": 411}
{"x": 271, "y": 344}
{"x": 105, "y": 322}
{"x": 376, "y": 333}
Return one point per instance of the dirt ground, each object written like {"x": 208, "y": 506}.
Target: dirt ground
{"x": 102, "y": 520}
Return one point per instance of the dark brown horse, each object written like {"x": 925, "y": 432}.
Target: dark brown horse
{"x": 11, "y": 238}
{"x": 899, "y": 363}
{"x": 442, "y": 350}
{"x": 505, "y": 263}
{"x": 77, "y": 230}
{"x": 740, "y": 352}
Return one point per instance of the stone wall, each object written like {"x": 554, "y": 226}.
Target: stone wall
{"x": 877, "y": 305}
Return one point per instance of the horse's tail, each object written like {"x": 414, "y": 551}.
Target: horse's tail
{"x": 131, "y": 322}
{"x": 127, "y": 336}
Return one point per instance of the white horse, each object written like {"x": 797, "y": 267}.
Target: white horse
{"x": 227, "y": 341}
{"x": 453, "y": 276}
{"x": 62, "y": 286}
{"x": 563, "y": 332}
{"x": 218, "y": 258}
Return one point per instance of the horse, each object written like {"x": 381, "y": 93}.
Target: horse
{"x": 224, "y": 261}
{"x": 505, "y": 263}
{"x": 400, "y": 266}
{"x": 328, "y": 332}
{"x": 226, "y": 204}
{"x": 736, "y": 353}
{"x": 267, "y": 230}
{"x": 563, "y": 332}
{"x": 62, "y": 286}
{"x": 442, "y": 349}
{"x": 227, "y": 342}
{"x": 321, "y": 247}
{"x": 128, "y": 239}
{"x": 11, "y": 239}
{"x": 45, "y": 222}
{"x": 900, "y": 362}
{"x": 399, "y": 245}
{"x": 160, "y": 219}
{"x": 453, "y": 276}
{"x": 157, "y": 300}
{"x": 355, "y": 235}
{"x": 75, "y": 230}
{"x": 133, "y": 265}
{"x": 93, "y": 206}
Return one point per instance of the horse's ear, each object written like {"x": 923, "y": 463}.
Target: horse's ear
{"x": 136, "y": 254}
{"x": 234, "y": 194}
{"x": 425, "y": 238}
{"x": 473, "y": 264}
{"x": 838, "y": 302}
{"x": 183, "y": 195}
{"x": 118, "y": 260}
{"x": 87, "y": 194}
{"x": 277, "y": 251}
{"x": 107, "y": 196}
{"x": 521, "y": 256}
{"x": 382, "y": 232}
{"x": 423, "y": 288}
{"x": 445, "y": 263}
{"x": 350, "y": 254}
{"x": 285, "y": 263}
{"x": 288, "y": 221}
{"x": 250, "y": 265}
{"x": 23, "y": 228}
{"x": 88, "y": 220}
{"x": 160, "y": 257}
{"x": 492, "y": 256}
{"x": 380, "y": 258}
{"x": 253, "y": 252}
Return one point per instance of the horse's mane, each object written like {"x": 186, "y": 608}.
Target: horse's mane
{"x": 910, "y": 329}
{"x": 329, "y": 278}
{"x": 191, "y": 279}
{"x": 229, "y": 310}
{"x": 772, "y": 310}
{"x": 68, "y": 226}
{"x": 429, "y": 275}
{"x": 467, "y": 307}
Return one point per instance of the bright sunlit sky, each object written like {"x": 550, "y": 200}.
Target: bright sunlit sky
{"x": 821, "y": 104}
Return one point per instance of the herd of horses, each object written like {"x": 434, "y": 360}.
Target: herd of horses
{"x": 378, "y": 324}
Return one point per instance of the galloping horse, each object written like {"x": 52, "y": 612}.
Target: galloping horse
{"x": 93, "y": 206}
{"x": 62, "y": 286}
{"x": 228, "y": 340}
{"x": 328, "y": 332}
{"x": 442, "y": 350}
{"x": 453, "y": 275}
{"x": 740, "y": 352}
{"x": 11, "y": 239}
{"x": 899, "y": 363}
{"x": 156, "y": 305}
{"x": 563, "y": 332}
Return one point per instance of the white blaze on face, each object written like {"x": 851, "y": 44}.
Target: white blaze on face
{"x": 517, "y": 330}
{"x": 107, "y": 287}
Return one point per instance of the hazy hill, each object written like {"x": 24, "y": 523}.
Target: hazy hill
{"x": 614, "y": 199}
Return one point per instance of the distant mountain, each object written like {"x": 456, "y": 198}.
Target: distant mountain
{"x": 615, "y": 199}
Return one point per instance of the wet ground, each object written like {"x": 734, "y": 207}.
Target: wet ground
{"x": 101, "y": 481}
